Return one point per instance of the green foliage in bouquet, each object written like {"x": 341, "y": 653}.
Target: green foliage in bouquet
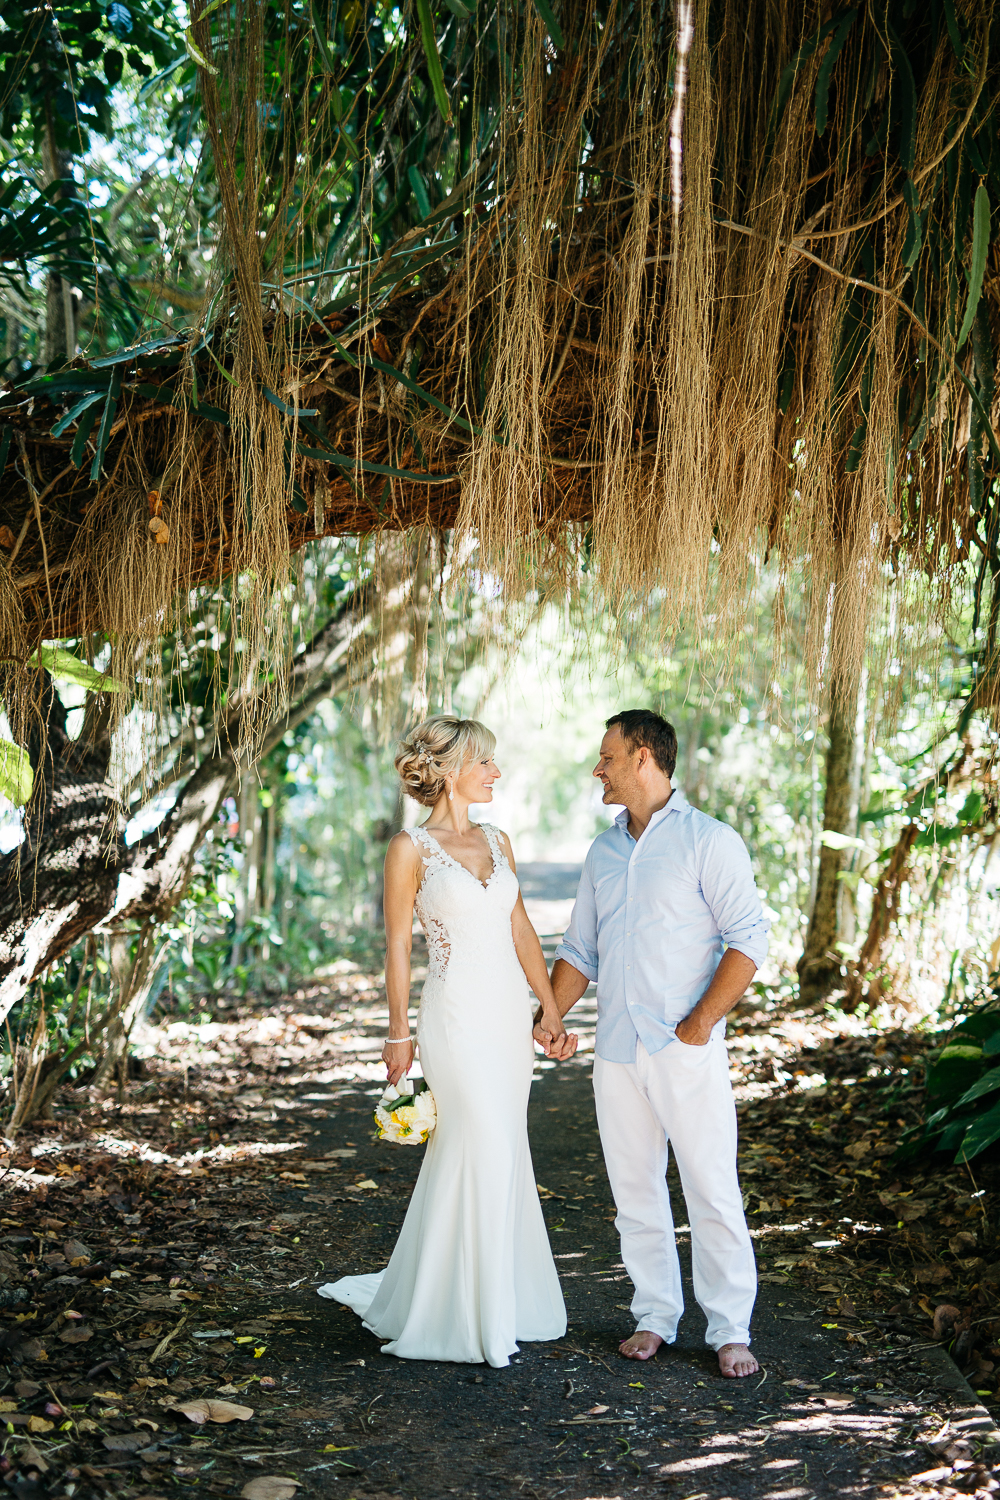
{"x": 417, "y": 1086}
{"x": 963, "y": 1091}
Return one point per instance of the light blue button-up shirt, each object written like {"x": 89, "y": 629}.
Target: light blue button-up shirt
{"x": 653, "y": 918}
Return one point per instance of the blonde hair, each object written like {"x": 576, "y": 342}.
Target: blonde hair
{"x": 436, "y": 749}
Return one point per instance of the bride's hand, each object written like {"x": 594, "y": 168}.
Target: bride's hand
{"x": 555, "y": 1040}
{"x": 398, "y": 1059}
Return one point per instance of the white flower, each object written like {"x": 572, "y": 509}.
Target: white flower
{"x": 406, "y": 1124}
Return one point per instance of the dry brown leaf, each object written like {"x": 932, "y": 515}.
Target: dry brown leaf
{"x": 214, "y": 1411}
{"x": 76, "y": 1250}
{"x": 39, "y": 1424}
{"x": 269, "y": 1487}
{"x": 30, "y": 1458}
{"x": 126, "y": 1442}
{"x": 75, "y": 1335}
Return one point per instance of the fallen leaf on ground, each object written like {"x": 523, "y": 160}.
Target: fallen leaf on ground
{"x": 126, "y": 1442}
{"x": 39, "y": 1424}
{"x": 76, "y": 1250}
{"x": 595, "y": 1411}
{"x": 214, "y": 1411}
{"x": 30, "y": 1458}
{"x": 75, "y": 1335}
{"x": 269, "y": 1487}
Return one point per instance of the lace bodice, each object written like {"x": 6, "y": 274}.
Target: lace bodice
{"x": 466, "y": 920}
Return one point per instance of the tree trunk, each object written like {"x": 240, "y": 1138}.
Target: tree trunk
{"x": 64, "y": 878}
{"x": 60, "y": 306}
{"x": 821, "y": 966}
{"x": 73, "y": 869}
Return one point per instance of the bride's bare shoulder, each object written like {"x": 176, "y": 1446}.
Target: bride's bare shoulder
{"x": 401, "y": 850}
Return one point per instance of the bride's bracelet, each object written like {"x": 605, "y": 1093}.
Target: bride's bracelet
{"x": 397, "y": 1041}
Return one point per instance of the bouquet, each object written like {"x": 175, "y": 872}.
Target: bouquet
{"x": 409, "y": 1117}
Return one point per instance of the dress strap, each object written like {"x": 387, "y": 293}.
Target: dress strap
{"x": 428, "y": 846}
{"x": 492, "y": 836}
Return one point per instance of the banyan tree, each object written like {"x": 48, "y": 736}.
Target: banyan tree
{"x": 661, "y": 293}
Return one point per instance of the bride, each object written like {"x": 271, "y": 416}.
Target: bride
{"x": 472, "y": 1271}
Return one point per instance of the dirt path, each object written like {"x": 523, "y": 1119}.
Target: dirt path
{"x": 215, "y": 1199}
{"x": 849, "y": 1422}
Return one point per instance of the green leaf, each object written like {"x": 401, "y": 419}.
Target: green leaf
{"x": 327, "y": 456}
{"x": 319, "y": 32}
{"x": 988, "y": 1084}
{"x": 83, "y": 431}
{"x": 196, "y": 55}
{"x": 826, "y": 68}
{"x": 419, "y": 192}
{"x": 914, "y": 231}
{"x": 152, "y": 84}
{"x": 458, "y": 9}
{"x": 16, "y": 774}
{"x": 951, "y": 21}
{"x": 787, "y": 79}
{"x": 75, "y": 411}
{"x": 980, "y": 246}
{"x": 289, "y": 411}
{"x": 107, "y": 422}
{"x": 907, "y": 88}
{"x": 434, "y": 70}
{"x": 551, "y": 24}
{"x": 980, "y": 1134}
{"x": 133, "y": 352}
{"x": 830, "y": 839}
{"x": 63, "y": 666}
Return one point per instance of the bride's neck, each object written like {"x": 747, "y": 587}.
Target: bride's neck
{"x": 453, "y": 816}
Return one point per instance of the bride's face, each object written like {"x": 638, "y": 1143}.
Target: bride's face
{"x": 475, "y": 780}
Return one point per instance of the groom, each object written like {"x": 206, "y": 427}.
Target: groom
{"x": 668, "y": 922}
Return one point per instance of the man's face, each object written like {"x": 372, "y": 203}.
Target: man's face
{"x": 616, "y": 769}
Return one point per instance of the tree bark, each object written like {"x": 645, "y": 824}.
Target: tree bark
{"x": 821, "y": 967}
{"x": 60, "y": 306}
{"x": 63, "y": 879}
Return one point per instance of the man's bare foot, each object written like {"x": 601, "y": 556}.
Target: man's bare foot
{"x": 736, "y": 1361}
{"x": 640, "y": 1346}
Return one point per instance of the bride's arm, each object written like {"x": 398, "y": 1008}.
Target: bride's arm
{"x": 402, "y": 880}
{"x": 562, "y": 1044}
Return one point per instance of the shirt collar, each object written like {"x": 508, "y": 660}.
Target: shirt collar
{"x": 675, "y": 803}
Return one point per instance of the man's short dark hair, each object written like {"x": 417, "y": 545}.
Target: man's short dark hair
{"x": 641, "y": 728}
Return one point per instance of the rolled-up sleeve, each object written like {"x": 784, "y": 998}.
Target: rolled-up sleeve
{"x": 579, "y": 946}
{"x": 727, "y": 884}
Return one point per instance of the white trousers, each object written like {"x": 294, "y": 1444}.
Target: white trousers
{"x": 681, "y": 1095}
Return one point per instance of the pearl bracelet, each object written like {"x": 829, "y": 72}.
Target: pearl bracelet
{"x": 397, "y": 1041}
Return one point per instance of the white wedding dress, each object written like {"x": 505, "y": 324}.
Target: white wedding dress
{"x": 472, "y": 1271}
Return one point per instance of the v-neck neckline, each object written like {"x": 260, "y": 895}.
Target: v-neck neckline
{"x": 483, "y": 884}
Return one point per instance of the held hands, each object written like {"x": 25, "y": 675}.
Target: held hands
{"x": 398, "y": 1059}
{"x": 554, "y": 1039}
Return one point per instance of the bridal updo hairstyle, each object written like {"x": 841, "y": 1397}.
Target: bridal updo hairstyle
{"x": 437, "y": 749}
